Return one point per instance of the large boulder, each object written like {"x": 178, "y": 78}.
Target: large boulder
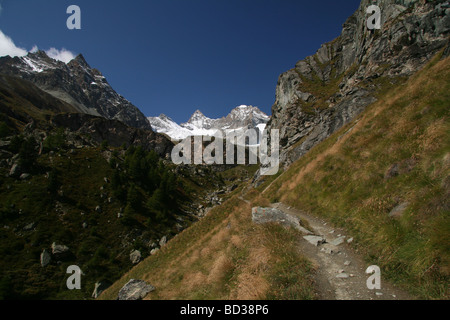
{"x": 135, "y": 290}
{"x": 266, "y": 215}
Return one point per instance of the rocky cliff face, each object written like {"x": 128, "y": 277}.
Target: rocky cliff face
{"x": 77, "y": 84}
{"x": 25, "y": 109}
{"x": 328, "y": 89}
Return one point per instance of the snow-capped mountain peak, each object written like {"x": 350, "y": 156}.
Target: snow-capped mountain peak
{"x": 240, "y": 118}
{"x": 198, "y": 120}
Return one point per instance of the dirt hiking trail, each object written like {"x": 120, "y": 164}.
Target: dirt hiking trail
{"x": 340, "y": 269}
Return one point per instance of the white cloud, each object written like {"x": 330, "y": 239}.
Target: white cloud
{"x": 63, "y": 55}
{"x": 8, "y": 48}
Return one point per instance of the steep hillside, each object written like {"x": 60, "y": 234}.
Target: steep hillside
{"x": 330, "y": 88}
{"x": 79, "y": 189}
{"x": 385, "y": 178}
{"x": 226, "y": 256}
{"x": 96, "y": 203}
{"x": 394, "y": 156}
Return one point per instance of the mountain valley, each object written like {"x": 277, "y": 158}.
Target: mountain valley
{"x": 87, "y": 179}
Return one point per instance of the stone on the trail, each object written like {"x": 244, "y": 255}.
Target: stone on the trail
{"x": 350, "y": 240}
{"x": 315, "y": 240}
{"x": 135, "y": 290}
{"x": 342, "y": 276}
{"x": 329, "y": 249}
{"x": 347, "y": 263}
{"x": 266, "y": 215}
{"x": 338, "y": 241}
{"x": 379, "y": 293}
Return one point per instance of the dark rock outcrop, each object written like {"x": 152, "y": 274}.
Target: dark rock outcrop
{"x": 330, "y": 88}
{"x": 114, "y": 132}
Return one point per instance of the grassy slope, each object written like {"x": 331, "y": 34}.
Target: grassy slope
{"x": 225, "y": 256}
{"x": 344, "y": 180}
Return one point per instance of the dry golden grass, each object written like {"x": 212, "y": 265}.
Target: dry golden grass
{"x": 223, "y": 256}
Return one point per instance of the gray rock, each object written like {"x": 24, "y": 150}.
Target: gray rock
{"x": 266, "y": 215}
{"x": 338, "y": 241}
{"x": 15, "y": 170}
{"x": 342, "y": 276}
{"x": 29, "y": 226}
{"x": 46, "y": 258}
{"x": 135, "y": 290}
{"x": 163, "y": 241}
{"x": 397, "y": 212}
{"x": 329, "y": 249}
{"x": 154, "y": 251}
{"x": 98, "y": 209}
{"x": 135, "y": 256}
{"x": 24, "y": 176}
{"x": 153, "y": 245}
{"x": 315, "y": 240}
{"x": 59, "y": 249}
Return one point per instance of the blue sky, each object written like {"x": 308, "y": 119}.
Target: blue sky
{"x": 176, "y": 56}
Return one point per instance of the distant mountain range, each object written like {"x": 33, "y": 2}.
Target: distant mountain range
{"x": 75, "y": 83}
{"x": 239, "y": 119}
{"x": 87, "y": 91}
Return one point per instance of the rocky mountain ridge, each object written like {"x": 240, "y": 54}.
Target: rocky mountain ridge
{"x": 75, "y": 83}
{"x": 240, "y": 118}
{"x": 330, "y": 88}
